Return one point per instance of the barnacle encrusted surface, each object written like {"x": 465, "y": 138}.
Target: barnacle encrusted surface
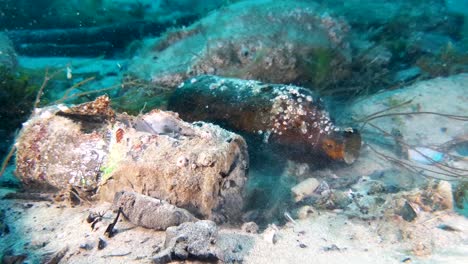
{"x": 200, "y": 167}
{"x": 291, "y": 117}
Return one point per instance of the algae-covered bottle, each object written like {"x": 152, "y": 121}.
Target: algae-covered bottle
{"x": 291, "y": 117}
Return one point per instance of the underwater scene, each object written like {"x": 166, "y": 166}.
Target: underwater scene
{"x": 233, "y": 131}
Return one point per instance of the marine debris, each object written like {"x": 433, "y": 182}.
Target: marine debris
{"x": 392, "y": 190}
{"x": 149, "y": 212}
{"x": 92, "y": 150}
{"x": 287, "y": 116}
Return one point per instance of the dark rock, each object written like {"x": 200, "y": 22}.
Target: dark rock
{"x": 101, "y": 244}
{"x": 407, "y": 212}
{"x": 150, "y": 212}
{"x": 38, "y": 244}
{"x": 86, "y": 246}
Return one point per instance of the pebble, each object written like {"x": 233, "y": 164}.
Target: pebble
{"x": 305, "y": 211}
{"x": 86, "y": 246}
{"x": 332, "y": 248}
{"x": 270, "y": 234}
{"x": 27, "y": 205}
{"x": 101, "y": 244}
{"x": 250, "y": 227}
{"x": 304, "y": 189}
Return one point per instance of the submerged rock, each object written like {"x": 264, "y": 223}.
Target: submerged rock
{"x": 150, "y": 212}
{"x": 297, "y": 43}
{"x": 199, "y": 167}
{"x": 190, "y": 241}
{"x": 61, "y": 146}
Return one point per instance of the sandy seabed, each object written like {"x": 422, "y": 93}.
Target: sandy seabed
{"x": 40, "y": 229}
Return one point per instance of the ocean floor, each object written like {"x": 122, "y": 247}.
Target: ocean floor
{"x": 370, "y": 227}
{"x": 45, "y": 228}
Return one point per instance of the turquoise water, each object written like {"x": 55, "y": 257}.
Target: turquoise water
{"x": 366, "y": 98}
